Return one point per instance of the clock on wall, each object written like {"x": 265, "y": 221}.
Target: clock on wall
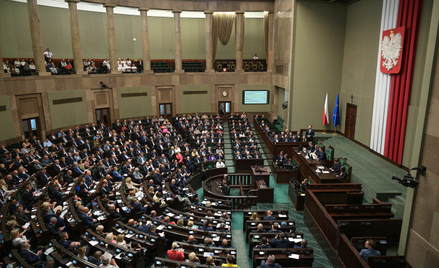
{"x": 225, "y": 93}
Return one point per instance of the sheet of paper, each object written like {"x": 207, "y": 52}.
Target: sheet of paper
{"x": 108, "y": 255}
{"x": 161, "y": 227}
{"x": 27, "y": 225}
{"x": 216, "y": 239}
{"x": 294, "y": 256}
{"x": 325, "y": 171}
{"x": 94, "y": 242}
{"x": 129, "y": 235}
{"x": 207, "y": 254}
{"x": 48, "y": 251}
{"x": 282, "y": 216}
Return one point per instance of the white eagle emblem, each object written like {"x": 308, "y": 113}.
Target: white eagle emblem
{"x": 391, "y": 47}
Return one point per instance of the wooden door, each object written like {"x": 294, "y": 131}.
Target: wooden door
{"x": 351, "y": 118}
{"x": 103, "y": 116}
{"x": 31, "y": 127}
{"x": 166, "y": 111}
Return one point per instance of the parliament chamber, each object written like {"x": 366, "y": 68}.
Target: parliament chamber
{"x": 189, "y": 133}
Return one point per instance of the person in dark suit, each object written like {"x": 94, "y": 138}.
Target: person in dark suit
{"x": 280, "y": 241}
{"x": 144, "y": 227}
{"x": 271, "y": 262}
{"x": 259, "y": 229}
{"x": 30, "y": 256}
{"x": 309, "y": 133}
{"x": 321, "y": 155}
{"x": 264, "y": 243}
{"x": 138, "y": 207}
{"x": 274, "y": 229}
{"x": 22, "y": 218}
{"x": 336, "y": 167}
{"x": 85, "y": 218}
{"x": 225, "y": 188}
{"x": 191, "y": 240}
{"x": 269, "y": 216}
{"x": 28, "y": 196}
{"x": 53, "y": 230}
{"x": 96, "y": 258}
{"x": 57, "y": 195}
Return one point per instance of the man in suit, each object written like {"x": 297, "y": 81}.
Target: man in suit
{"x": 271, "y": 262}
{"x": 53, "y": 229}
{"x": 336, "y": 167}
{"x": 280, "y": 241}
{"x": 274, "y": 228}
{"x": 29, "y": 256}
{"x": 321, "y": 155}
{"x": 68, "y": 244}
{"x": 28, "y": 196}
{"x": 309, "y": 133}
{"x": 77, "y": 171}
{"x": 22, "y": 218}
{"x": 370, "y": 249}
{"x": 269, "y": 216}
{"x": 43, "y": 177}
{"x": 57, "y": 195}
{"x": 96, "y": 258}
{"x": 85, "y": 217}
{"x": 144, "y": 227}
{"x": 303, "y": 244}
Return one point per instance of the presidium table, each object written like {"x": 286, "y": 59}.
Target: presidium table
{"x": 313, "y": 169}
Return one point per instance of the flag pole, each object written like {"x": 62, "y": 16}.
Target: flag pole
{"x": 335, "y": 130}
{"x": 324, "y": 130}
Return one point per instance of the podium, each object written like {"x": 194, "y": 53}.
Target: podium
{"x": 260, "y": 173}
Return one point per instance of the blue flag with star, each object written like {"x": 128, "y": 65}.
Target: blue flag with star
{"x": 335, "y": 116}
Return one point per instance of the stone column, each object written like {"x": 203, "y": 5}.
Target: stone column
{"x": 2, "y": 73}
{"x": 76, "y": 38}
{"x": 270, "y": 59}
{"x": 177, "y": 41}
{"x": 111, "y": 37}
{"x": 209, "y": 42}
{"x": 37, "y": 41}
{"x": 145, "y": 41}
{"x": 239, "y": 33}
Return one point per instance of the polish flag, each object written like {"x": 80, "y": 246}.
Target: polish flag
{"x": 325, "y": 112}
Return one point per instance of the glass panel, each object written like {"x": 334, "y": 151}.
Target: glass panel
{"x": 227, "y": 107}
{"x": 98, "y": 116}
{"x": 105, "y": 113}
{"x": 33, "y": 123}
{"x": 168, "y": 110}
{"x": 162, "y": 109}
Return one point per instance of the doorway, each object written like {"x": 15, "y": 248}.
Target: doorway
{"x": 224, "y": 107}
{"x": 351, "y": 119}
{"x": 103, "y": 116}
{"x": 165, "y": 110}
{"x": 31, "y": 127}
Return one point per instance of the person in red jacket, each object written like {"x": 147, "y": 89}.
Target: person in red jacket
{"x": 176, "y": 254}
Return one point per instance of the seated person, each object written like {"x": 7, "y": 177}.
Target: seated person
{"x": 369, "y": 249}
{"x": 269, "y": 216}
{"x": 271, "y": 262}
{"x": 321, "y": 155}
{"x": 68, "y": 244}
{"x": 176, "y": 254}
{"x": 96, "y": 258}
{"x": 303, "y": 244}
{"x": 30, "y": 256}
{"x": 342, "y": 174}
{"x": 259, "y": 229}
{"x": 230, "y": 261}
{"x": 280, "y": 241}
{"x": 336, "y": 167}
{"x": 274, "y": 229}
{"x": 264, "y": 243}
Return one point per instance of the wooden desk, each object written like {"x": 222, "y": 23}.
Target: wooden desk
{"x": 261, "y": 174}
{"x": 265, "y": 194}
{"x": 297, "y": 197}
{"x": 308, "y": 169}
{"x": 304, "y": 260}
{"x": 284, "y": 175}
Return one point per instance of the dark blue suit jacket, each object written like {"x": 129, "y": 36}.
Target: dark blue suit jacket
{"x": 87, "y": 220}
{"x": 29, "y": 256}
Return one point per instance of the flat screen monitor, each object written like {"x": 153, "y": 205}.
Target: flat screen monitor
{"x": 255, "y": 97}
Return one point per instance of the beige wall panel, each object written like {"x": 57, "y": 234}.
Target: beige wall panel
{"x": 138, "y": 106}
{"x": 193, "y": 103}
{"x": 7, "y": 129}
{"x": 68, "y": 114}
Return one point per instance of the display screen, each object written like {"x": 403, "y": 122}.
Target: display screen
{"x": 255, "y": 97}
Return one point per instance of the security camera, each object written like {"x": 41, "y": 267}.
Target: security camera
{"x": 407, "y": 181}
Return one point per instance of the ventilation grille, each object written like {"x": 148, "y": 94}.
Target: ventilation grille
{"x": 2, "y": 108}
{"x": 130, "y": 95}
{"x": 191, "y": 92}
{"x": 69, "y": 100}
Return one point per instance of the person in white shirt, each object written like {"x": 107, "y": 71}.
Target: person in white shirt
{"x": 48, "y": 54}
{"x": 133, "y": 68}
{"x": 255, "y": 57}
{"x": 220, "y": 164}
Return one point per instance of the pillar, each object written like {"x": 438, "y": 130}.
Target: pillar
{"x": 177, "y": 41}
{"x": 2, "y": 73}
{"x": 37, "y": 41}
{"x": 76, "y": 38}
{"x": 145, "y": 41}
{"x": 111, "y": 37}
{"x": 239, "y": 33}
{"x": 209, "y": 42}
{"x": 271, "y": 67}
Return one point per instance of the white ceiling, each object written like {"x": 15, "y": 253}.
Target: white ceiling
{"x": 131, "y": 11}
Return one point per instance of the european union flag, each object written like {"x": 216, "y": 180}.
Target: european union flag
{"x": 335, "y": 116}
